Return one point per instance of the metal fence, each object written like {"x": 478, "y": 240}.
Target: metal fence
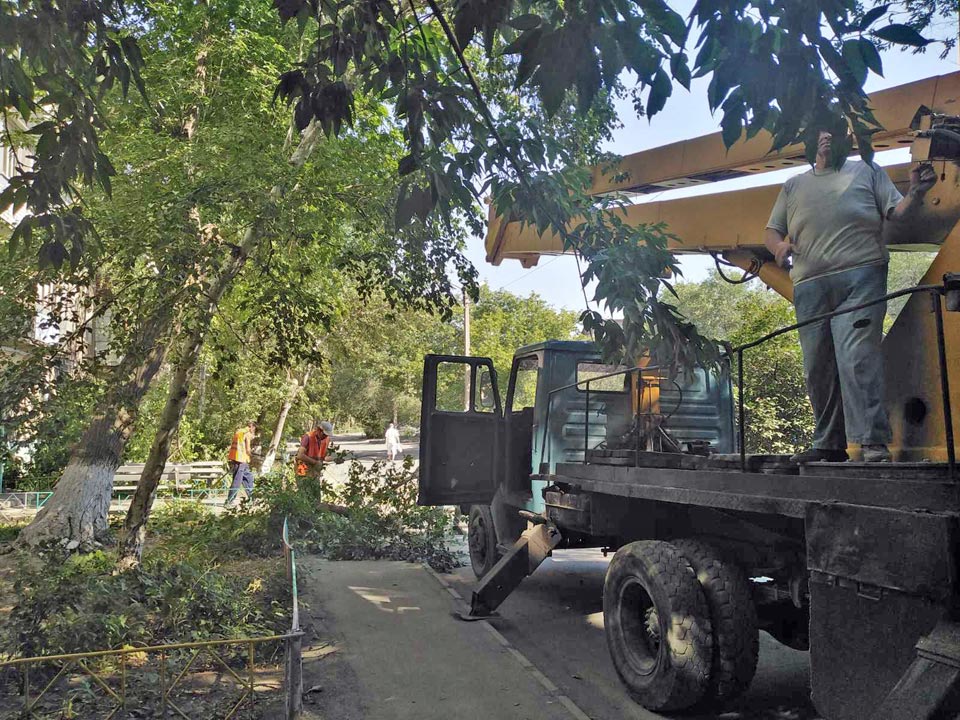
{"x": 25, "y": 500}
{"x": 113, "y": 683}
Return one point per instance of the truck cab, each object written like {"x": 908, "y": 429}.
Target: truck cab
{"x": 484, "y": 449}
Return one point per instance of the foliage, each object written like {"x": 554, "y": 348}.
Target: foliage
{"x": 906, "y": 269}
{"x": 379, "y": 518}
{"x": 75, "y": 603}
{"x": 927, "y": 16}
{"x": 502, "y": 322}
{"x": 376, "y": 352}
{"x": 59, "y": 58}
{"x": 785, "y": 67}
{"x": 778, "y": 414}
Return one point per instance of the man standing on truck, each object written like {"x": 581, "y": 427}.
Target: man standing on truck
{"x": 834, "y": 216}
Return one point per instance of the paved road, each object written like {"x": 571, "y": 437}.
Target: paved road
{"x": 556, "y": 619}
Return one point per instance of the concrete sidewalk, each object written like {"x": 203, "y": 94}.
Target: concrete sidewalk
{"x": 383, "y": 644}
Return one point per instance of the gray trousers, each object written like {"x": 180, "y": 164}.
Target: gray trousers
{"x": 842, "y": 363}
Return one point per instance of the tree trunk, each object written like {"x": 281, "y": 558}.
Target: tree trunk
{"x": 81, "y": 500}
{"x": 134, "y": 532}
{"x": 295, "y": 387}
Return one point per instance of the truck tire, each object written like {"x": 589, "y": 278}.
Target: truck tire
{"x": 733, "y": 617}
{"x": 657, "y": 626}
{"x": 482, "y": 540}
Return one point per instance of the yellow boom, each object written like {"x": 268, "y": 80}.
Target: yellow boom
{"x": 731, "y": 223}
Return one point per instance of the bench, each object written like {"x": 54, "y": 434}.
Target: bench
{"x": 194, "y": 479}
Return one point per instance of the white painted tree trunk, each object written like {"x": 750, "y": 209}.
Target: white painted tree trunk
{"x": 81, "y": 498}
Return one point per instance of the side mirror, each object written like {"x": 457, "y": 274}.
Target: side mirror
{"x": 485, "y": 398}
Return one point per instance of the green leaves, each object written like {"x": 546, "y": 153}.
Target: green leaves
{"x": 901, "y": 35}
{"x": 871, "y": 56}
{"x": 871, "y": 16}
{"x": 853, "y": 57}
{"x": 679, "y": 69}
{"x": 661, "y": 89}
{"x": 665, "y": 20}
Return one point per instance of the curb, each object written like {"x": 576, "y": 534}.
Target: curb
{"x": 522, "y": 659}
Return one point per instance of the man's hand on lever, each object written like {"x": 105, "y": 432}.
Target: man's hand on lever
{"x": 779, "y": 246}
{"x": 922, "y": 178}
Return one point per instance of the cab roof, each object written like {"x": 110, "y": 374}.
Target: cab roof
{"x": 570, "y": 346}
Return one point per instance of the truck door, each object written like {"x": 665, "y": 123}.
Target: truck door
{"x": 460, "y": 428}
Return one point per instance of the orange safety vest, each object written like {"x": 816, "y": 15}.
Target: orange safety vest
{"x": 315, "y": 447}
{"x": 238, "y": 447}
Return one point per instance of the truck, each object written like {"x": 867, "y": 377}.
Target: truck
{"x": 856, "y": 562}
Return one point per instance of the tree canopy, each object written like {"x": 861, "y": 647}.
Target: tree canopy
{"x": 475, "y": 89}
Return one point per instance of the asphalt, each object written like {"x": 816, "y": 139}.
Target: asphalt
{"x": 382, "y": 643}
{"x": 556, "y": 619}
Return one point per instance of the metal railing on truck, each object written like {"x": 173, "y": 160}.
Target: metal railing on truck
{"x": 950, "y": 287}
{"x": 544, "y": 448}
{"x": 117, "y": 696}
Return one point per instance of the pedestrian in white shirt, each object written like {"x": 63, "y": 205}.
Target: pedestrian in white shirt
{"x": 392, "y": 438}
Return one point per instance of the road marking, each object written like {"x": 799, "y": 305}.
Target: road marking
{"x": 524, "y": 661}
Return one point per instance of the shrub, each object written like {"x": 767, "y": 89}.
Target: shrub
{"x": 75, "y": 603}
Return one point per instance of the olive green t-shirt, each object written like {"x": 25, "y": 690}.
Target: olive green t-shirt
{"x": 835, "y": 218}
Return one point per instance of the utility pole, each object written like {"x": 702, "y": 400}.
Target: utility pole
{"x": 466, "y": 350}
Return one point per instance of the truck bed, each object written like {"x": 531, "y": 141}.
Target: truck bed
{"x": 904, "y": 486}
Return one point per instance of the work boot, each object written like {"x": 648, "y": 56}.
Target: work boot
{"x": 819, "y": 455}
{"x": 876, "y": 453}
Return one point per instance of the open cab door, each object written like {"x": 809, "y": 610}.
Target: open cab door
{"x": 459, "y": 430}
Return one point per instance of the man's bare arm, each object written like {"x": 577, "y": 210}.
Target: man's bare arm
{"x": 303, "y": 457}
{"x": 907, "y": 222}
{"x": 778, "y": 245}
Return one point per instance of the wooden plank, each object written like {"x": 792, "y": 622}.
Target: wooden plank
{"x": 880, "y": 471}
{"x": 926, "y": 691}
{"x": 910, "y": 495}
{"x": 769, "y": 505}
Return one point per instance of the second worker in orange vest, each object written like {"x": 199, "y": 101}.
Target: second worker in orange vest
{"x": 313, "y": 449}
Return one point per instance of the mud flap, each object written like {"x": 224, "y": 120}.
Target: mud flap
{"x": 930, "y": 688}
{"x": 534, "y": 546}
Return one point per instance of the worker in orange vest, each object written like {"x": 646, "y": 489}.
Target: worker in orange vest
{"x": 239, "y": 459}
{"x": 313, "y": 450}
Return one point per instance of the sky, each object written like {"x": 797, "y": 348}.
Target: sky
{"x": 686, "y": 115}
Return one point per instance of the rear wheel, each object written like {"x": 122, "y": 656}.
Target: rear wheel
{"x": 657, "y": 626}
{"x": 733, "y": 616}
{"x": 482, "y": 540}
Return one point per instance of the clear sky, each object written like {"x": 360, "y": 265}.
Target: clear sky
{"x": 686, "y": 115}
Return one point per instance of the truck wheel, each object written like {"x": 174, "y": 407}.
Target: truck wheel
{"x": 482, "y": 540}
{"x": 657, "y": 626}
{"x": 733, "y": 616}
